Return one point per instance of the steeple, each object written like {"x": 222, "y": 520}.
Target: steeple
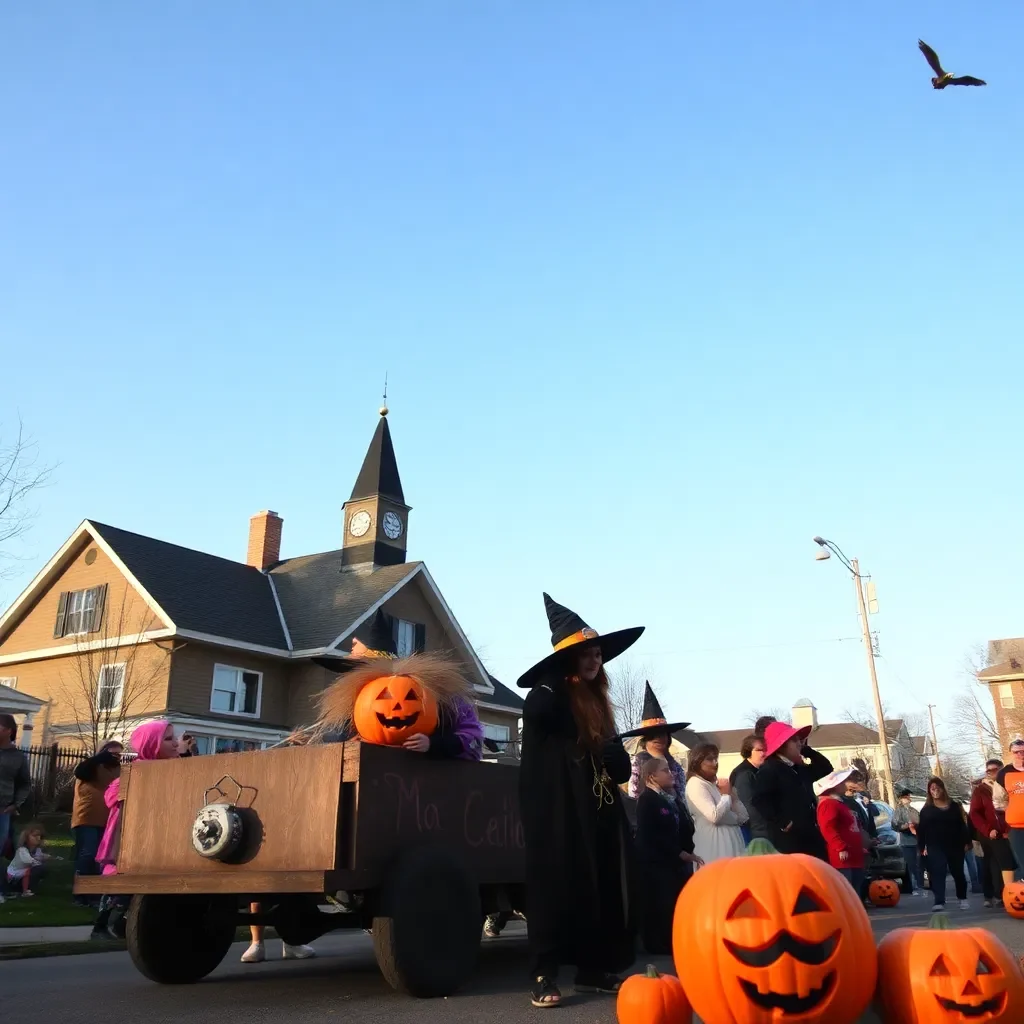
{"x": 376, "y": 516}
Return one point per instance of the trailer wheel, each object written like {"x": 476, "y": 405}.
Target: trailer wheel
{"x": 178, "y": 940}
{"x": 427, "y": 934}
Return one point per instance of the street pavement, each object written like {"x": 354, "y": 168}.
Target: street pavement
{"x": 343, "y": 982}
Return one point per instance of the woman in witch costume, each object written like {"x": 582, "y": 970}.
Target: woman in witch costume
{"x": 655, "y": 733}
{"x": 580, "y": 907}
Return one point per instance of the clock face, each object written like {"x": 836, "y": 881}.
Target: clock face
{"x": 392, "y": 526}
{"x": 359, "y": 523}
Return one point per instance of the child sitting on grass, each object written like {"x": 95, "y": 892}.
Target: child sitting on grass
{"x": 29, "y": 863}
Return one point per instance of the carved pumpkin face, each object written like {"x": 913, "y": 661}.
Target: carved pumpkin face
{"x": 1013, "y": 898}
{"x": 940, "y": 974}
{"x": 782, "y": 938}
{"x": 884, "y": 892}
{"x": 390, "y": 709}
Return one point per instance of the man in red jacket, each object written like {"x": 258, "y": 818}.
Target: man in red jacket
{"x": 990, "y": 824}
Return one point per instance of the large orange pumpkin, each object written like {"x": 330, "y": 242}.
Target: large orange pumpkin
{"x": 884, "y": 892}
{"x": 390, "y": 709}
{"x": 780, "y": 938}
{"x": 652, "y": 998}
{"x": 1013, "y": 898}
{"x": 937, "y": 975}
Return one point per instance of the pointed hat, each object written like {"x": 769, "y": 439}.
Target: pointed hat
{"x": 379, "y": 643}
{"x": 569, "y": 631}
{"x": 653, "y": 720}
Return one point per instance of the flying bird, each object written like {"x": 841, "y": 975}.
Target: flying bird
{"x": 944, "y": 78}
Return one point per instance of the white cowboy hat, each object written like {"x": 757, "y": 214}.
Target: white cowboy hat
{"x": 832, "y": 780}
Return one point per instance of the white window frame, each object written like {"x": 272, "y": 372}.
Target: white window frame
{"x": 11, "y": 682}
{"x": 405, "y": 642}
{"x": 104, "y": 671}
{"x": 239, "y": 690}
{"x": 1006, "y": 694}
{"x": 214, "y": 737}
{"x": 504, "y": 731}
{"x": 83, "y": 613}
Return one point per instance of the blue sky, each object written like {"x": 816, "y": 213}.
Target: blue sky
{"x": 662, "y": 291}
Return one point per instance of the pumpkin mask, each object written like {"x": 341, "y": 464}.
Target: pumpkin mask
{"x": 942, "y": 974}
{"x": 884, "y": 892}
{"x": 388, "y": 700}
{"x": 785, "y": 938}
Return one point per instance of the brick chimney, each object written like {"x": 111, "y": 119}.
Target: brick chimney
{"x": 264, "y": 540}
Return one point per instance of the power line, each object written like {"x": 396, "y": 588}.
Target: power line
{"x": 744, "y": 647}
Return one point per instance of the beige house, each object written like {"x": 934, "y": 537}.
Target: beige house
{"x": 118, "y": 627}
{"x": 911, "y": 757}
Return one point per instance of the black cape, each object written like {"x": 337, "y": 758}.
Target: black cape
{"x": 785, "y": 802}
{"x": 580, "y": 906}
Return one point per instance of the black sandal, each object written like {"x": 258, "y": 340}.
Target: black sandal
{"x": 544, "y": 994}
{"x": 605, "y": 984}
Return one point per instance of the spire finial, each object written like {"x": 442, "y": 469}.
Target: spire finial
{"x": 384, "y": 407}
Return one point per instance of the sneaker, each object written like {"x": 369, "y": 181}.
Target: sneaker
{"x": 987, "y": 904}
{"x": 296, "y": 952}
{"x": 939, "y": 908}
{"x": 28, "y": 892}
{"x": 490, "y": 931}
{"x": 965, "y": 905}
{"x": 917, "y": 892}
{"x": 255, "y": 954}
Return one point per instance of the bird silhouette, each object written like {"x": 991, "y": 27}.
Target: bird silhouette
{"x": 944, "y": 78}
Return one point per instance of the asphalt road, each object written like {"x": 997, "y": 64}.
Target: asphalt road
{"x": 341, "y": 983}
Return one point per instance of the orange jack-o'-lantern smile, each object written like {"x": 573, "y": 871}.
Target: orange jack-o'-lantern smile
{"x": 397, "y": 714}
{"x": 970, "y": 1001}
{"x": 390, "y": 709}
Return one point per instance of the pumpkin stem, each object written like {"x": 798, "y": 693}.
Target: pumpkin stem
{"x": 652, "y": 971}
{"x": 940, "y": 922}
{"x": 759, "y": 848}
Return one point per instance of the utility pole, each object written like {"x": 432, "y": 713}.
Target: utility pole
{"x": 869, "y": 650}
{"x": 935, "y": 740}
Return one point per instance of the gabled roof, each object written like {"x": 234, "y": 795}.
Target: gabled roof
{"x": 826, "y": 736}
{"x": 1009, "y": 668}
{"x": 503, "y": 696}
{"x": 379, "y": 472}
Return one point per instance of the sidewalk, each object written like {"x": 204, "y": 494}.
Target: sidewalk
{"x": 21, "y": 936}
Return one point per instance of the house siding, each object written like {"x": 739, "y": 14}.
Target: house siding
{"x": 125, "y": 612}
{"x": 1009, "y": 721}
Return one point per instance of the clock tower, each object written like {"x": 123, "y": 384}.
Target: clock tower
{"x": 376, "y": 517}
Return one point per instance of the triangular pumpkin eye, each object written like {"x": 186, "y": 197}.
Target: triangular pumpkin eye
{"x": 808, "y": 903}
{"x": 987, "y": 966}
{"x": 384, "y": 694}
{"x": 411, "y": 695}
{"x": 940, "y": 969}
{"x": 745, "y": 906}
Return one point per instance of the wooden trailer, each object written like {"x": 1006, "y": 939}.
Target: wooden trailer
{"x": 415, "y": 849}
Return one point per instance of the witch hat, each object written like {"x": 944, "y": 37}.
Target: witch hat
{"x": 653, "y": 720}
{"x": 568, "y": 631}
{"x": 379, "y": 643}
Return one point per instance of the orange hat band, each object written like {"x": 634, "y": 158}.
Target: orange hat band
{"x": 577, "y": 638}
{"x": 648, "y": 722}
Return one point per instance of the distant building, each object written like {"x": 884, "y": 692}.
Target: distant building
{"x": 1004, "y": 678}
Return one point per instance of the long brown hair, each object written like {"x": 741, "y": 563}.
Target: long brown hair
{"x": 697, "y": 757}
{"x": 591, "y": 709}
{"x": 936, "y": 781}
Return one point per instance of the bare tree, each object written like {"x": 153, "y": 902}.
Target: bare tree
{"x": 105, "y": 685}
{"x": 628, "y": 681}
{"x": 779, "y": 714}
{"x": 20, "y": 474}
{"x": 957, "y": 775}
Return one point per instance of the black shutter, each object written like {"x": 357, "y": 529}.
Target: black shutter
{"x": 97, "y": 608}
{"x": 62, "y": 615}
{"x": 421, "y": 638}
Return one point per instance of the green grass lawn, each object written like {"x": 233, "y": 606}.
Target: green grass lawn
{"x": 52, "y": 906}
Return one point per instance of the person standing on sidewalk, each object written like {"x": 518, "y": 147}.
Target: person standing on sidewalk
{"x": 840, "y": 826}
{"x": 990, "y": 824}
{"x": 905, "y": 821}
{"x": 15, "y": 779}
{"x": 1011, "y": 778}
{"x": 742, "y": 780}
{"x": 89, "y": 811}
{"x": 942, "y": 834}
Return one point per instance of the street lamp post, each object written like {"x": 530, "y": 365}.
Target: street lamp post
{"x": 883, "y": 740}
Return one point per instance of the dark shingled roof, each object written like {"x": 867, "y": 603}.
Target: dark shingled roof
{"x": 503, "y": 696}
{"x": 200, "y": 592}
{"x": 320, "y": 601}
{"x": 379, "y": 473}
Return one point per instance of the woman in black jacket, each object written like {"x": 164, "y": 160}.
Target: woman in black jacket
{"x": 784, "y": 791}
{"x": 943, "y": 838}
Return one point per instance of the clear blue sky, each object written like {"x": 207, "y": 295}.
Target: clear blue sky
{"x": 662, "y": 289}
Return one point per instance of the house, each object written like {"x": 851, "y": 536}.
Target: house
{"x": 1004, "y": 679}
{"x": 841, "y": 742}
{"x": 117, "y": 627}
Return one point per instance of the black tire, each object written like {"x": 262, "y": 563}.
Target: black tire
{"x": 179, "y": 940}
{"x": 427, "y": 933}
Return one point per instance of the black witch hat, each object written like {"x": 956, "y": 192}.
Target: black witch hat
{"x": 380, "y": 643}
{"x": 653, "y": 721}
{"x": 568, "y": 631}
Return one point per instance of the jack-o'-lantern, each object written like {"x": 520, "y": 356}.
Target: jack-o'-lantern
{"x": 884, "y": 892}
{"x": 782, "y": 938}
{"x": 1013, "y": 898}
{"x": 388, "y": 700}
{"x": 940, "y": 974}
{"x": 652, "y": 998}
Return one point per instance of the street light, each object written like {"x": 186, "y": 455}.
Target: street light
{"x": 825, "y": 550}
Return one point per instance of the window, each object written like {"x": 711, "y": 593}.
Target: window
{"x": 236, "y": 691}
{"x": 500, "y": 733}
{"x": 410, "y": 637}
{"x": 844, "y": 761}
{"x": 11, "y": 681}
{"x": 80, "y": 611}
{"x": 111, "y": 687}
{"x": 206, "y": 744}
{"x": 1006, "y": 695}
